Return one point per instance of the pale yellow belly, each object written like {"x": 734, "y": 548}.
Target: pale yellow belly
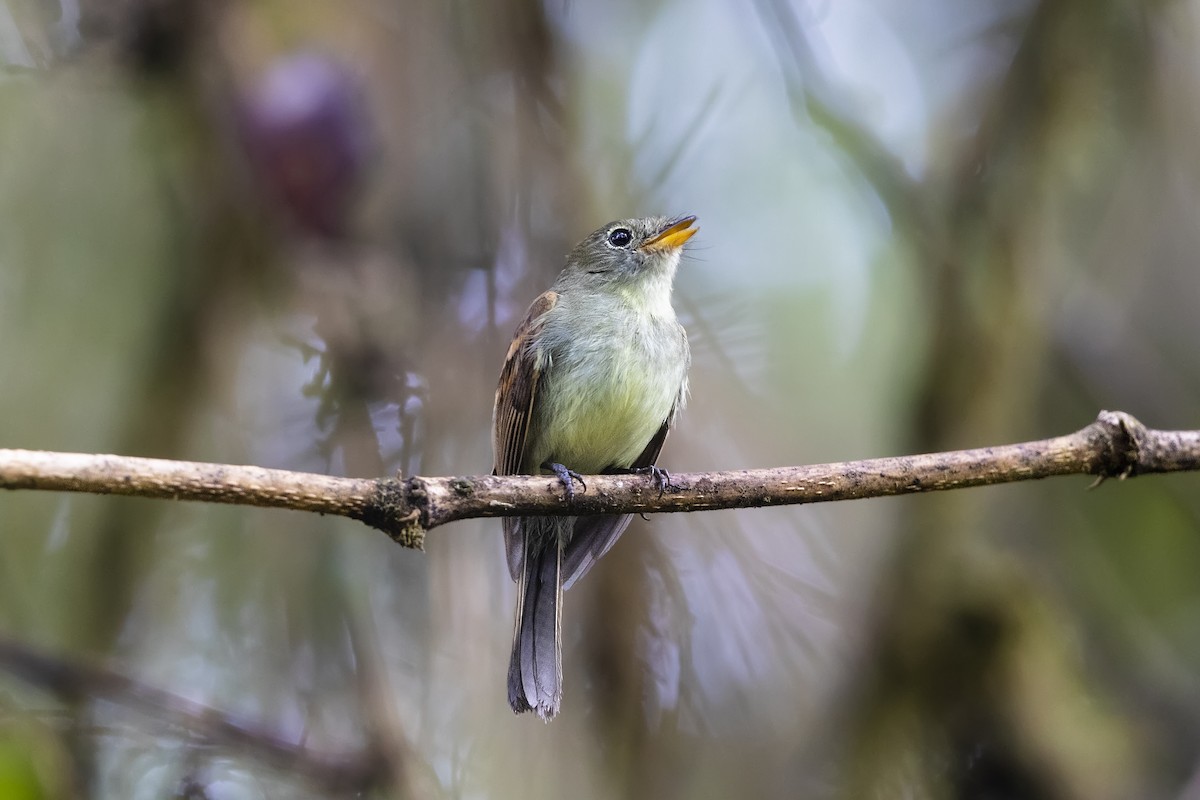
{"x": 590, "y": 420}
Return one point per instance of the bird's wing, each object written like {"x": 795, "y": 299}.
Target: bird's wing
{"x": 594, "y": 536}
{"x": 516, "y": 395}
{"x": 655, "y": 445}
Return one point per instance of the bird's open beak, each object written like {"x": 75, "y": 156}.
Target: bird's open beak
{"x": 672, "y": 236}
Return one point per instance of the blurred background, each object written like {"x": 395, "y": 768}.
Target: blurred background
{"x": 299, "y": 234}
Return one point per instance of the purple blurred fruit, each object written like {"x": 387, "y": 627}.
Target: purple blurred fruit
{"x": 305, "y": 131}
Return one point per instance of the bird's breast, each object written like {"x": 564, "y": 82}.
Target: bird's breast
{"x": 608, "y": 387}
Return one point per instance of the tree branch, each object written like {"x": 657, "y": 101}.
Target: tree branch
{"x": 1114, "y": 446}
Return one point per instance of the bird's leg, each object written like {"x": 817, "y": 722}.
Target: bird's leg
{"x": 566, "y": 476}
{"x": 661, "y": 478}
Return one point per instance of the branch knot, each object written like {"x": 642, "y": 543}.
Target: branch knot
{"x": 395, "y": 508}
{"x": 1123, "y": 438}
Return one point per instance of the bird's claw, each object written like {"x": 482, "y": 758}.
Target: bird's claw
{"x": 568, "y": 477}
{"x": 661, "y": 478}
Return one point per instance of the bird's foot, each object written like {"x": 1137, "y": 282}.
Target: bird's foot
{"x": 567, "y": 476}
{"x": 661, "y": 478}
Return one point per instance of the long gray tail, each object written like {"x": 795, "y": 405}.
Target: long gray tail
{"x": 535, "y": 671}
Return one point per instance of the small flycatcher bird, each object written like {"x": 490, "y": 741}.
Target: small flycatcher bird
{"x": 594, "y": 377}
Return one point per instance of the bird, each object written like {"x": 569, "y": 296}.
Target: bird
{"x": 593, "y": 380}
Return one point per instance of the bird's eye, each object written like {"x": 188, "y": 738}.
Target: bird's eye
{"x": 620, "y": 237}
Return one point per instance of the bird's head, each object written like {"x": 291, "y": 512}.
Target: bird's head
{"x": 631, "y": 251}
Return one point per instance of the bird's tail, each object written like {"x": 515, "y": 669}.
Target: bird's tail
{"x": 535, "y": 671}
